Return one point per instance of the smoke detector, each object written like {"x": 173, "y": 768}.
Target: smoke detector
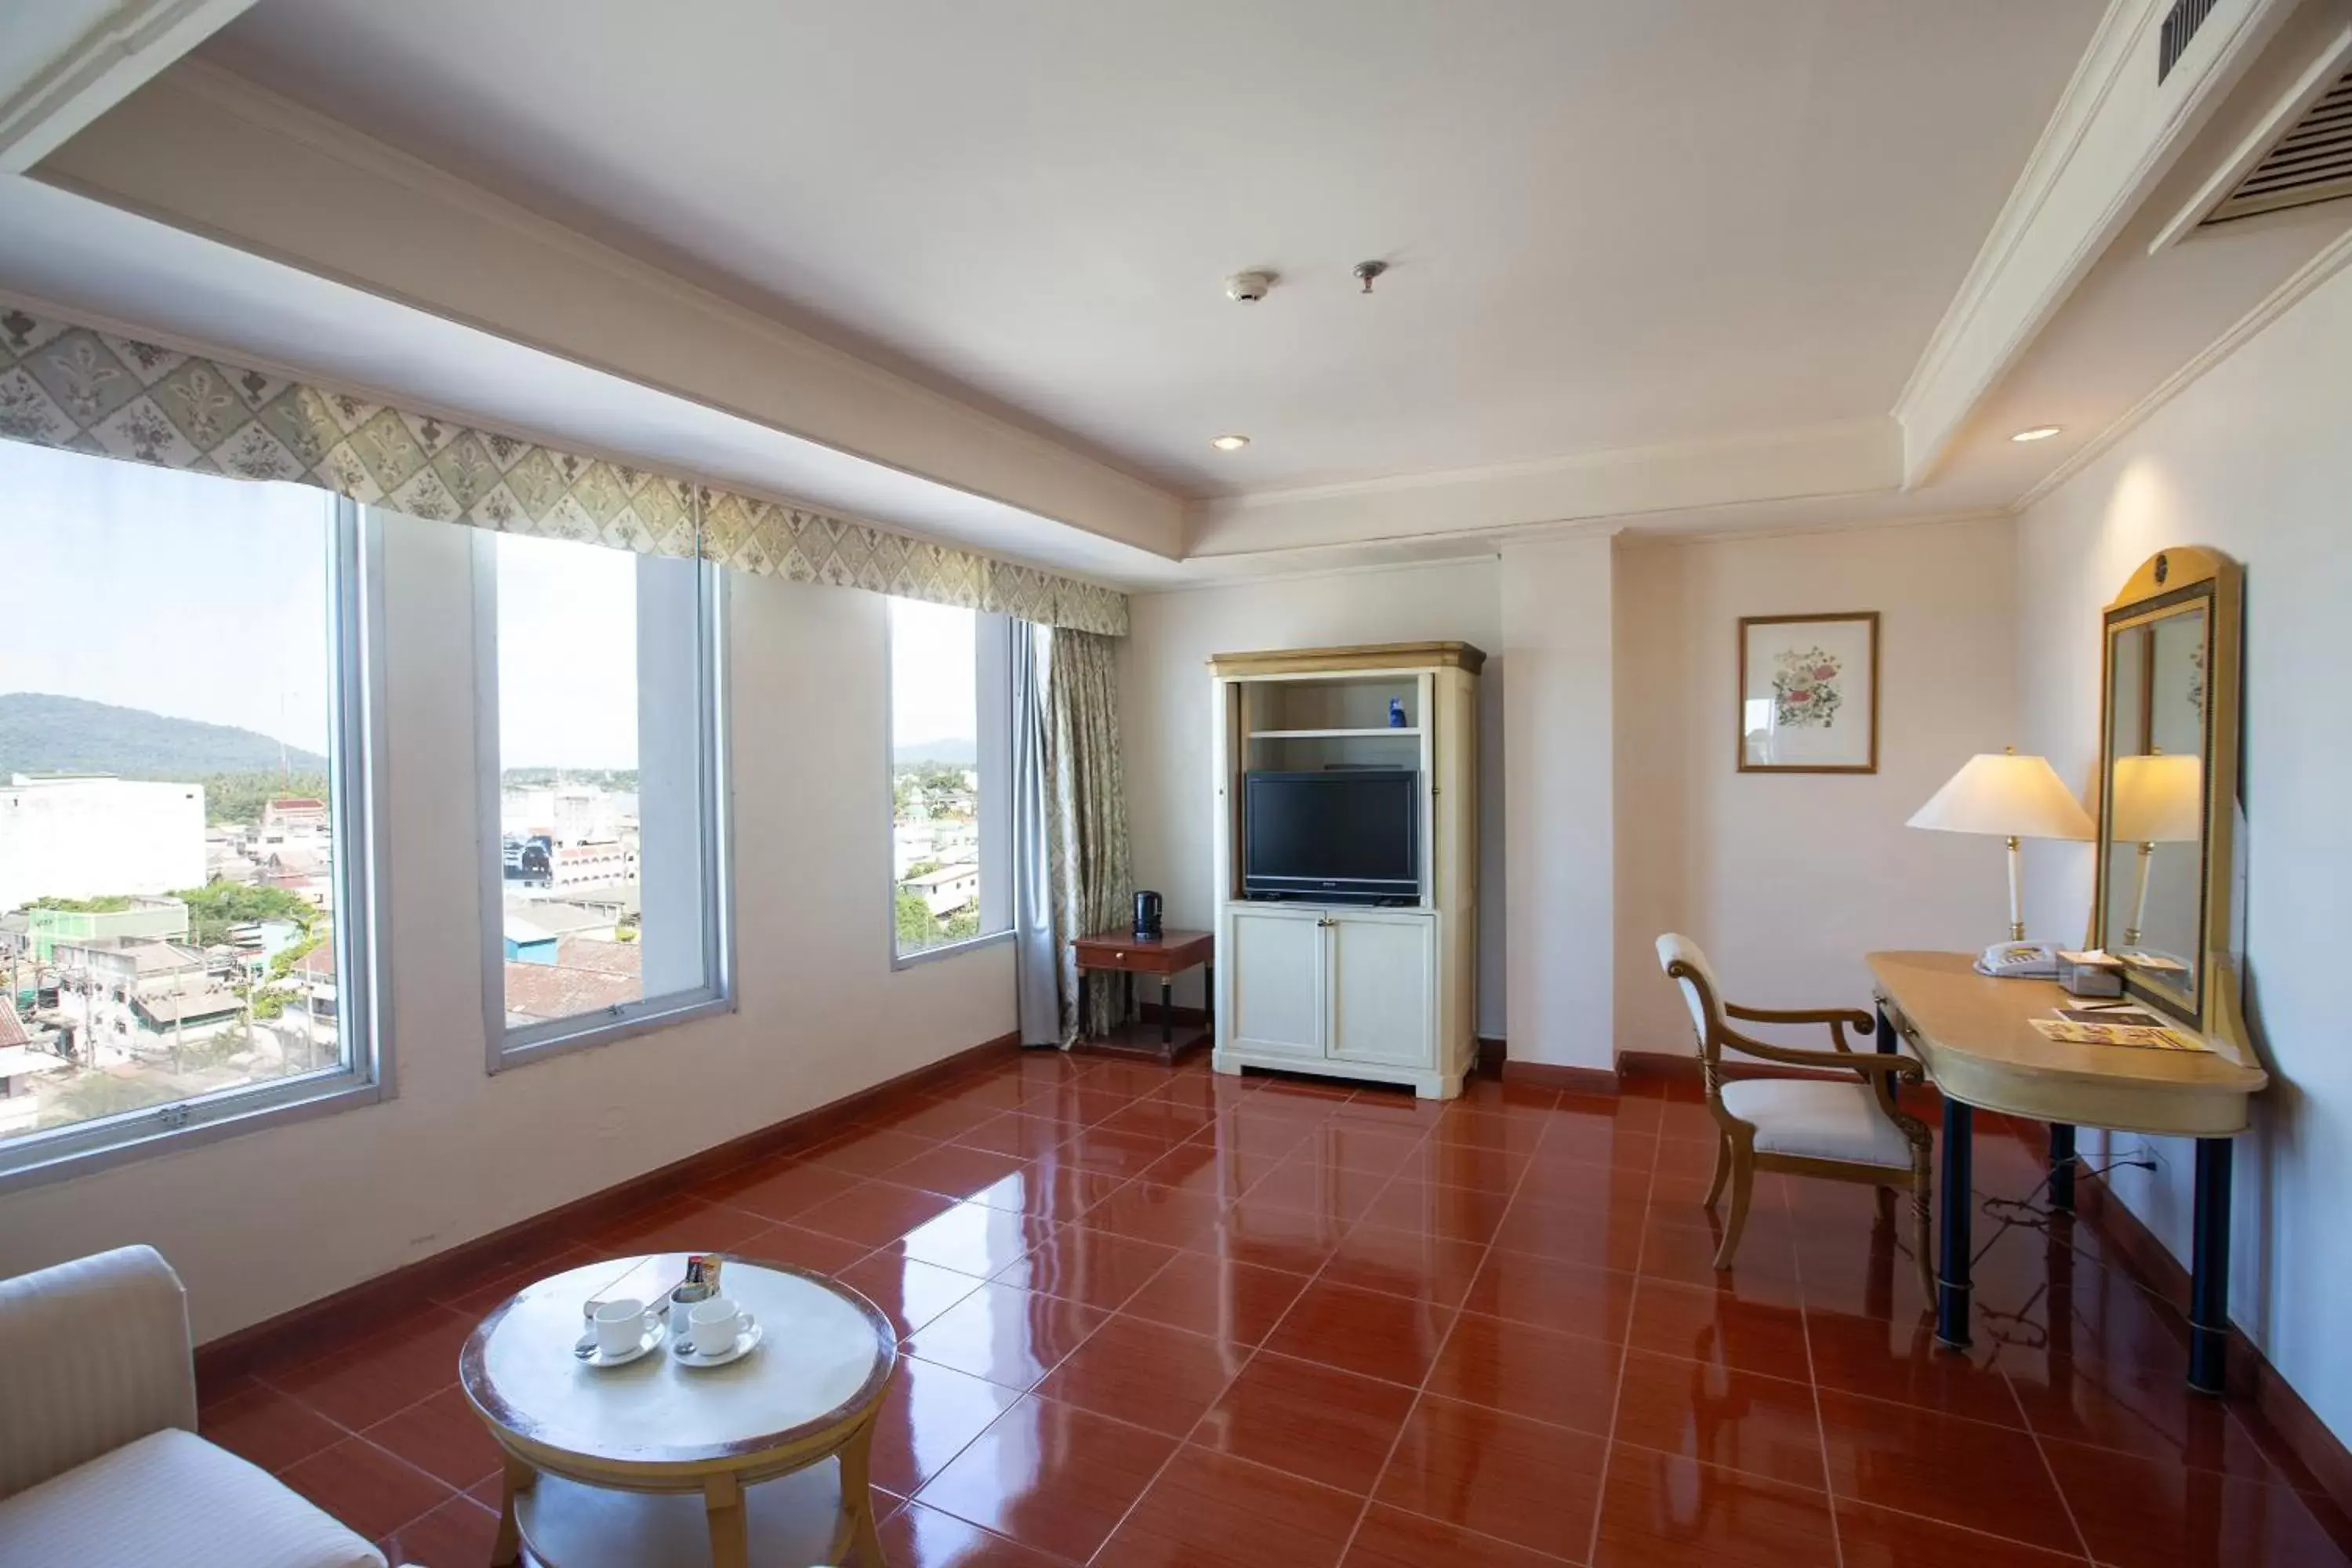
{"x": 1248, "y": 288}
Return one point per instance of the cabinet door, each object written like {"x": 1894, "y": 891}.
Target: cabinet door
{"x": 1384, "y": 988}
{"x": 1275, "y": 976}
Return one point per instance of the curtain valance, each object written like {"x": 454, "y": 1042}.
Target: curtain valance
{"x": 75, "y": 387}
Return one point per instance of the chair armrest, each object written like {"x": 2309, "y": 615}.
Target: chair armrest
{"x": 1837, "y": 1018}
{"x": 93, "y": 1354}
{"x": 1869, "y": 1064}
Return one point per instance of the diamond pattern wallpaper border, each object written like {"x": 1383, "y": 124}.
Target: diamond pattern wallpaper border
{"x": 84, "y": 390}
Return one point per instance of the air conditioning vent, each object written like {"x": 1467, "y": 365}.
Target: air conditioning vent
{"x": 2180, "y": 24}
{"x": 2312, "y": 163}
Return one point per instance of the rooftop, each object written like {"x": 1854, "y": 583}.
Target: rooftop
{"x": 538, "y": 991}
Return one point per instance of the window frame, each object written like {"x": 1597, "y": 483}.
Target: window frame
{"x": 505, "y": 1046}
{"x": 994, "y": 740}
{"x": 356, "y": 759}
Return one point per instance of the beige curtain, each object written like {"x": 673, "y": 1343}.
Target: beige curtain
{"x": 1086, "y": 817}
{"x": 85, "y": 389}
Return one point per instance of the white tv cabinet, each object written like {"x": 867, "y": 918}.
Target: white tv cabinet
{"x": 1384, "y": 993}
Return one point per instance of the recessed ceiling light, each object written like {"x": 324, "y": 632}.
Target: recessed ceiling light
{"x": 2038, "y": 432}
{"x": 1229, "y": 443}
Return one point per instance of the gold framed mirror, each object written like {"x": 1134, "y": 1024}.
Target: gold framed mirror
{"x": 2168, "y": 781}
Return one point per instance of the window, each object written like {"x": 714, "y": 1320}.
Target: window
{"x": 603, "y": 900}
{"x": 951, "y": 718}
{"x": 186, "y": 937}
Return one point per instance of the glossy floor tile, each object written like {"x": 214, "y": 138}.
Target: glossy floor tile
{"x": 1164, "y": 1317}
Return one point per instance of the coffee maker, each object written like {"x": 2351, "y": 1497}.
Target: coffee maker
{"x": 1146, "y": 916}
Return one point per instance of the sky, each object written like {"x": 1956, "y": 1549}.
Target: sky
{"x": 181, "y": 594}
{"x": 934, "y": 685}
{"x": 567, "y": 654}
{"x": 205, "y": 598}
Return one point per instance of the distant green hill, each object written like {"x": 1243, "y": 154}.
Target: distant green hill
{"x": 44, "y": 734}
{"x": 955, "y": 751}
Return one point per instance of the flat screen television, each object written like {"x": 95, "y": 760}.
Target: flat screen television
{"x": 1344, "y": 835}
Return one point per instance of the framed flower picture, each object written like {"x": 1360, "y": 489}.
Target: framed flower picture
{"x": 1809, "y": 693}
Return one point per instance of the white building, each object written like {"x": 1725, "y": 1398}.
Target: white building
{"x": 85, "y": 837}
{"x": 569, "y": 814}
{"x": 948, "y": 888}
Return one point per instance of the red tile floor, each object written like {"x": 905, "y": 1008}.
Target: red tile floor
{"x": 1164, "y": 1317}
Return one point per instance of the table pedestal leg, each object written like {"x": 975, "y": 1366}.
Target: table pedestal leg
{"x": 722, "y": 1502}
{"x": 507, "y": 1548}
{"x": 858, "y": 1498}
{"x": 2062, "y": 1166}
{"x": 1167, "y": 1012}
{"x": 1209, "y": 998}
{"x": 1882, "y": 1033}
{"x": 2208, "y": 1279}
{"x": 1958, "y": 1183}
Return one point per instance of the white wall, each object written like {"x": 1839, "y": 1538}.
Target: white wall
{"x": 84, "y": 839}
{"x": 1166, "y": 715}
{"x": 1787, "y": 880}
{"x": 260, "y": 1224}
{"x": 1560, "y": 796}
{"x": 2253, "y": 460}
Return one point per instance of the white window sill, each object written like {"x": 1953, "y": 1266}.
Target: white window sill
{"x": 947, "y": 949}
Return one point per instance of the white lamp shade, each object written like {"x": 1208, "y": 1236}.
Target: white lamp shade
{"x": 2159, "y": 799}
{"x": 2006, "y": 797}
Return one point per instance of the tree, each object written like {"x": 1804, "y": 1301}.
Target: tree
{"x": 916, "y": 926}
{"x": 963, "y": 923}
{"x": 217, "y": 906}
{"x": 237, "y": 799}
{"x": 104, "y": 904}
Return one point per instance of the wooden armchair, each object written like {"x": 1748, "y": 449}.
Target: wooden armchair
{"x": 1851, "y": 1132}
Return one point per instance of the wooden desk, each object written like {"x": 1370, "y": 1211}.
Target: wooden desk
{"x": 1973, "y": 1035}
{"x": 1167, "y": 955}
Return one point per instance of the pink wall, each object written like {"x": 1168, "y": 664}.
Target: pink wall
{"x": 1787, "y": 880}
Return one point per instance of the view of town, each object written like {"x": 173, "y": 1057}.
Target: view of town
{"x": 168, "y": 852}
{"x": 934, "y": 775}
{"x": 166, "y": 937}
{"x": 167, "y": 847}
{"x": 158, "y": 939}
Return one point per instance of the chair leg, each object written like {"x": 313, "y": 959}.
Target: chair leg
{"x": 1722, "y": 1171}
{"x": 1743, "y": 1178}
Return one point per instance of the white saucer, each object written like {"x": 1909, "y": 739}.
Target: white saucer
{"x": 747, "y": 1340}
{"x": 655, "y": 1333}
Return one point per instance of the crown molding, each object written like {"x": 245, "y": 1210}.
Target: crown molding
{"x": 1849, "y": 457}
{"x": 45, "y": 96}
{"x": 2329, "y": 260}
{"x": 2113, "y": 135}
{"x": 208, "y": 152}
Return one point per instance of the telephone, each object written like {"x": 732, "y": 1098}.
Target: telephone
{"x": 2019, "y": 961}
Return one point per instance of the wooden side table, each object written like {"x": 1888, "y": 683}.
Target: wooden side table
{"x": 1168, "y": 956}
{"x": 649, "y": 1465}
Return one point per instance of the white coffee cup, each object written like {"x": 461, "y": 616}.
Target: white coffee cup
{"x": 713, "y": 1325}
{"x": 620, "y": 1326}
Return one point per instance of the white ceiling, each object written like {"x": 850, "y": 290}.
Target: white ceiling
{"x": 1611, "y": 226}
{"x": 92, "y": 262}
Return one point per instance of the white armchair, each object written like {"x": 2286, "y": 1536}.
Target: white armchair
{"x": 1852, "y": 1128}
{"x": 99, "y": 1461}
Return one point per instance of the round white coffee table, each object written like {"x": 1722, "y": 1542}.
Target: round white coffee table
{"x": 654, "y": 1463}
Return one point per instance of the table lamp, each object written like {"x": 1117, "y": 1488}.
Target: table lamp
{"x": 2158, "y": 799}
{"x": 2011, "y": 797}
